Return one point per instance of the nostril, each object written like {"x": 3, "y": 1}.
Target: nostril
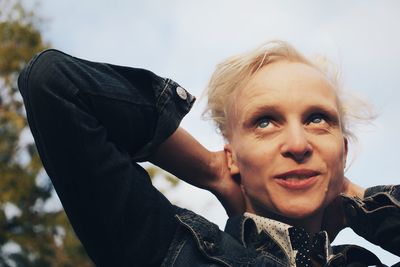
{"x": 299, "y": 154}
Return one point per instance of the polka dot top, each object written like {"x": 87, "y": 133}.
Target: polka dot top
{"x": 279, "y": 231}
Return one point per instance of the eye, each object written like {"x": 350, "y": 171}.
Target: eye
{"x": 317, "y": 118}
{"x": 263, "y": 123}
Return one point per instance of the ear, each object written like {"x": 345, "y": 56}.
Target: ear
{"x": 231, "y": 159}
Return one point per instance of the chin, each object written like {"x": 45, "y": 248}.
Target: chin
{"x": 306, "y": 216}
{"x": 286, "y": 213}
{"x": 298, "y": 213}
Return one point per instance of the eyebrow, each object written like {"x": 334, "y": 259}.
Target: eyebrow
{"x": 328, "y": 110}
{"x": 254, "y": 113}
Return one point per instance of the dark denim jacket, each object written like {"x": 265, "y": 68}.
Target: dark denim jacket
{"x": 92, "y": 121}
{"x": 241, "y": 245}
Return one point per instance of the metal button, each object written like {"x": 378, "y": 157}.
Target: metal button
{"x": 210, "y": 247}
{"x": 181, "y": 93}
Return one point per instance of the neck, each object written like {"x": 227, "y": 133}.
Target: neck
{"x": 312, "y": 223}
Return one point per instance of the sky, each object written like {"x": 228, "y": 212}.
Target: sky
{"x": 184, "y": 40}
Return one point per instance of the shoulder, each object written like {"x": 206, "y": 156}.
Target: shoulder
{"x": 199, "y": 241}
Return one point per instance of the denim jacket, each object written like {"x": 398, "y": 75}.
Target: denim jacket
{"x": 241, "y": 245}
{"x": 92, "y": 121}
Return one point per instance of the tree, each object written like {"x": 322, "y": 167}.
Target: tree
{"x": 30, "y": 234}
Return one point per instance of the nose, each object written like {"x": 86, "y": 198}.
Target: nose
{"x": 296, "y": 144}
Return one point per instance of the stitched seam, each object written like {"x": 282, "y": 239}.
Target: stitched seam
{"x": 167, "y": 82}
{"x": 242, "y": 230}
{"x": 177, "y": 252}
{"x": 198, "y": 239}
{"x": 392, "y": 189}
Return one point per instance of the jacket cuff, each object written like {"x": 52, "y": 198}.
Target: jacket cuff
{"x": 173, "y": 103}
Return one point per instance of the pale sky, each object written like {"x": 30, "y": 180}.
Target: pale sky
{"x": 184, "y": 40}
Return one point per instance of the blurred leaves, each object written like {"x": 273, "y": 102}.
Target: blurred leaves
{"x": 30, "y": 234}
{"x": 155, "y": 172}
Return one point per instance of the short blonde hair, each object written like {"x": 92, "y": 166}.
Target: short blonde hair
{"x": 236, "y": 71}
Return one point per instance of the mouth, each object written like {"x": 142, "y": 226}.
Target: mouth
{"x": 297, "y": 179}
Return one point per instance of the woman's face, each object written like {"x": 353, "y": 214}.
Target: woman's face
{"x": 286, "y": 141}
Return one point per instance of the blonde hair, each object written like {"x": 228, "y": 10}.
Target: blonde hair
{"x": 235, "y": 72}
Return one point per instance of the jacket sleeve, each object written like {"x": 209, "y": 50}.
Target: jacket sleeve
{"x": 377, "y": 216}
{"x": 91, "y": 121}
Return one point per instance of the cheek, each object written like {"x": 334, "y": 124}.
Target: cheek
{"x": 255, "y": 158}
{"x": 336, "y": 182}
{"x": 331, "y": 149}
{"x": 337, "y": 156}
{"x": 335, "y": 159}
{"x": 255, "y": 164}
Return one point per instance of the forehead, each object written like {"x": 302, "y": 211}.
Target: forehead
{"x": 286, "y": 85}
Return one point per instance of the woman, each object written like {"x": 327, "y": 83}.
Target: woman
{"x": 286, "y": 147}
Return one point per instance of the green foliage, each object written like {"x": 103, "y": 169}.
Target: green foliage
{"x": 157, "y": 173}
{"x": 40, "y": 237}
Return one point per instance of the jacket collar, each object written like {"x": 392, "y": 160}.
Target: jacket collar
{"x": 244, "y": 229}
{"x": 221, "y": 248}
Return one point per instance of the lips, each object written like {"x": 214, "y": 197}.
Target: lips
{"x": 297, "y": 179}
{"x": 298, "y": 174}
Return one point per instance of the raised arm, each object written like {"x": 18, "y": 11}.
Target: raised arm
{"x": 373, "y": 213}
{"x": 186, "y": 158}
{"x": 376, "y": 216}
{"x": 89, "y": 121}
